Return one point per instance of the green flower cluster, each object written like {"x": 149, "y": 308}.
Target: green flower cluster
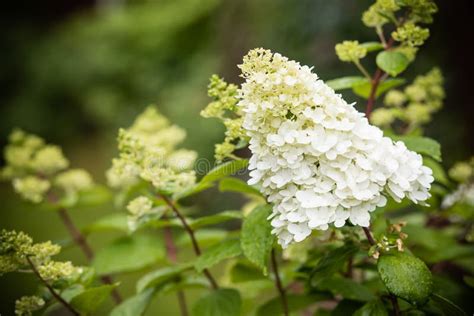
{"x": 411, "y": 35}
{"x": 384, "y": 11}
{"x": 415, "y": 105}
{"x": 462, "y": 171}
{"x": 224, "y": 107}
{"x": 26, "y": 305}
{"x": 350, "y": 51}
{"x": 35, "y": 168}
{"x": 141, "y": 210}
{"x": 147, "y": 151}
{"x": 16, "y": 248}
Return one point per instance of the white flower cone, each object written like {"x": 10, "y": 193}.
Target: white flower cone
{"x": 316, "y": 158}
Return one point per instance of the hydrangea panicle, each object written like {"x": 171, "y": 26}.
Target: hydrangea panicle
{"x": 316, "y": 158}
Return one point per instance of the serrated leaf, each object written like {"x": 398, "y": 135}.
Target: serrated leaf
{"x": 215, "y": 219}
{"x": 224, "y": 170}
{"x": 245, "y": 271}
{"x": 406, "y": 276}
{"x": 372, "y": 46}
{"x": 295, "y": 303}
{"x": 90, "y": 299}
{"x": 333, "y": 261}
{"x": 212, "y": 256}
{"x": 345, "y": 82}
{"x": 111, "y": 222}
{"x": 348, "y": 288}
{"x": 222, "y": 302}
{"x": 363, "y": 88}
{"x": 372, "y": 308}
{"x": 422, "y": 145}
{"x": 161, "y": 276}
{"x": 135, "y": 305}
{"x": 256, "y": 238}
{"x": 129, "y": 253}
{"x": 205, "y": 237}
{"x": 237, "y": 185}
{"x": 448, "y": 307}
{"x": 392, "y": 62}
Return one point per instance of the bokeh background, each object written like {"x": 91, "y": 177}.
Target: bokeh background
{"x": 76, "y": 71}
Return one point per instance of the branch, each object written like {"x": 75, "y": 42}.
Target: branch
{"x": 396, "y": 308}
{"x": 50, "y": 288}
{"x": 190, "y": 231}
{"x": 281, "y": 290}
{"x": 81, "y": 241}
{"x": 369, "y": 236}
{"x": 172, "y": 252}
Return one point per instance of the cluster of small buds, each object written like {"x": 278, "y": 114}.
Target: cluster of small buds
{"x": 35, "y": 168}
{"x": 463, "y": 173}
{"x": 316, "y": 158}
{"x": 16, "y": 248}
{"x": 26, "y": 305}
{"x": 350, "y": 51}
{"x": 384, "y": 11}
{"x": 415, "y": 105}
{"x": 380, "y": 12}
{"x": 410, "y": 34}
{"x": 393, "y": 240}
{"x": 147, "y": 151}
{"x": 223, "y": 107}
{"x": 140, "y": 209}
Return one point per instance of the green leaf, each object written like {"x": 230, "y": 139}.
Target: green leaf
{"x": 333, "y": 261}
{"x": 392, "y": 62}
{"x": 222, "y": 302}
{"x": 205, "y": 237}
{"x": 372, "y": 308}
{"x": 135, "y": 305}
{"x": 406, "y": 276}
{"x": 363, "y": 88}
{"x": 345, "y": 82}
{"x": 422, "y": 145}
{"x": 89, "y": 300}
{"x": 237, "y": 185}
{"x": 97, "y": 195}
{"x": 448, "y": 307}
{"x": 129, "y": 253}
{"x": 438, "y": 171}
{"x": 256, "y": 237}
{"x": 212, "y": 256}
{"x": 111, "y": 222}
{"x": 161, "y": 276}
{"x": 295, "y": 303}
{"x": 224, "y": 170}
{"x": 215, "y": 219}
{"x": 348, "y": 288}
{"x": 372, "y": 46}
{"x": 244, "y": 271}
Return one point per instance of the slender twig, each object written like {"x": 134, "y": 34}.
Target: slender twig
{"x": 362, "y": 69}
{"x": 350, "y": 267}
{"x": 190, "y": 231}
{"x": 396, "y": 308}
{"x": 376, "y": 79}
{"x": 281, "y": 290}
{"x": 50, "y": 288}
{"x": 369, "y": 236}
{"x": 172, "y": 253}
{"x": 381, "y": 36}
{"x": 81, "y": 241}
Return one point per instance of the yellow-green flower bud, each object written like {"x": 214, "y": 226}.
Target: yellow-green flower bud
{"x": 417, "y": 113}
{"x": 26, "y": 305}
{"x": 224, "y": 151}
{"x": 49, "y": 160}
{"x": 350, "y": 51}
{"x": 395, "y": 98}
{"x": 411, "y": 35}
{"x": 74, "y": 180}
{"x": 461, "y": 171}
{"x": 140, "y": 206}
{"x": 53, "y": 270}
{"x": 31, "y": 188}
{"x": 181, "y": 160}
{"x": 416, "y": 93}
{"x": 382, "y": 117}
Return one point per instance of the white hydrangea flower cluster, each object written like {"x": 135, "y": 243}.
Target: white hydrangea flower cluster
{"x": 316, "y": 157}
